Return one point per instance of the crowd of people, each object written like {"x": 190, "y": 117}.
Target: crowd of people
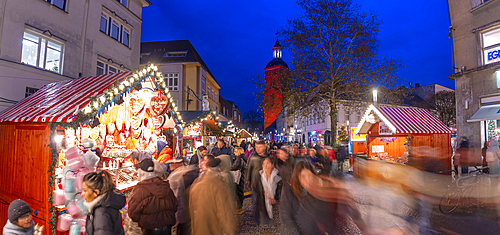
{"x": 204, "y": 195}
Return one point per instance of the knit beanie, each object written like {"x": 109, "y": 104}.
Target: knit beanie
{"x": 18, "y": 208}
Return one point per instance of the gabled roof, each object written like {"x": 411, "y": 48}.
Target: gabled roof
{"x": 157, "y": 50}
{"x": 60, "y": 101}
{"x": 402, "y": 121}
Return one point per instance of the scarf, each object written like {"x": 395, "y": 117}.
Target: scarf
{"x": 90, "y": 205}
{"x": 11, "y": 228}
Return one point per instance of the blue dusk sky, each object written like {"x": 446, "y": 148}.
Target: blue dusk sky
{"x": 235, "y": 38}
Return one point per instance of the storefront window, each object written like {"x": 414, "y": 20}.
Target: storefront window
{"x": 492, "y": 130}
{"x": 491, "y": 46}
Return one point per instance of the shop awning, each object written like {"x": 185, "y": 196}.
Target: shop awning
{"x": 60, "y": 101}
{"x": 200, "y": 116}
{"x": 488, "y": 112}
{"x": 402, "y": 121}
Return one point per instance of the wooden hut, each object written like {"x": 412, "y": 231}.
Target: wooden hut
{"x": 29, "y": 152}
{"x": 407, "y": 135}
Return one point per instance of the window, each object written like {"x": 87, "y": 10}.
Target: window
{"x": 113, "y": 28}
{"x": 175, "y": 54}
{"x": 29, "y": 91}
{"x": 203, "y": 85}
{"x": 172, "y": 80}
{"x": 123, "y": 2}
{"x": 347, "y": 116}
{"x": 100, "y": 68}
{"x": 491, "y": 46}
{"x": 104, "y": 23}
{"x": 208, "y": 88}
{"x": 61, "y": 4}
{"x": 213, "y": 96}
{"x": 41, "y": 52}
{"x": 111, "y": 70}
{"x": 126, "y": 37}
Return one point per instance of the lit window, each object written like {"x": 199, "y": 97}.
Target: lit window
{"x": 115, "y": 30}
{"x": 61, "y": 4}
{"x": 104, "y": 23}
{"x": 491, "y": 46}
{"x": 100, "y": 68}
{"x": 48, "y": 57}
{"x": 126, "y": 37}
{"x": 172, "y": 80}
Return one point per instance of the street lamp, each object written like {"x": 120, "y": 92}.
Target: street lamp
{"x": 375, "y": 97}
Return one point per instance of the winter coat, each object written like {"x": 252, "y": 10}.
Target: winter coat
{"x": 179, "y": 180}
{"x": 249, "y": 153}
{"x": 285, "y": 169}
{"x": 254, "y": 166}
{"x": 209, "y": 209}
{"x": 221, "y": 151}
{"x": 269, "y": 186}
{"x": 196, "y": 159}
{"x": 240, "y": 164}
{"x": 152, "y": 204}
{"x": 12, "y": 229}
{"x": 104, "y": 217}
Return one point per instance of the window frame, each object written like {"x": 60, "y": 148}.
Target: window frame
{"x": 106, "y": 27}
{"x": 30, "y": 91}
{"x": 121, "y": 26}
{"x": 171, "y": 77}
{"x": 42, "y": 48}
{"x": 65, "y": 4}
{"x": 490, "y": 48}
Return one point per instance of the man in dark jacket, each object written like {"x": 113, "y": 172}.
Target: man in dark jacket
{"x": 221, "y": 149}
{"x": 152, "y": 203}
{"x": 254, "y": 166}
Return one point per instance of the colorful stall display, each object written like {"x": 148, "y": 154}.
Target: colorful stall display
{"x": 49, "y": 139}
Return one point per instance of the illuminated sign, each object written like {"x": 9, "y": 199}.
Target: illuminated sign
{"x": 358, "y": 137}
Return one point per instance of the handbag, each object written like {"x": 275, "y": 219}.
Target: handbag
{"x": 236, "y": 176}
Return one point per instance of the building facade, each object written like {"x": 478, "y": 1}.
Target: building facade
{"x": 44, "y": 41}
{"x": 230, "y": 112}
{"x": 187, "y": 76}
{"x": 475, "y": 33}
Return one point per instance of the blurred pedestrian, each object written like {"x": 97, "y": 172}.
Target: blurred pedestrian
{"x": 254, "y": 167}
{"x": 249, "y": 151}
{"x": 288, "y": 206}
{"x": 493, "y": 160}
{"x": 221, "y": 148}
{"x": 20, "y": 220}
{"x": 152, "y": 203}
{"x": 104, "y": 203}
{"x": 209, "y": 209}
{"x": 243, "y": 145}
{"x": 137, "y": 157}
{"x": 197, "y": 158}
{"x": 265, "y": 184}
{"x": 463, "y": 154}
{"x": 238, "y": 172}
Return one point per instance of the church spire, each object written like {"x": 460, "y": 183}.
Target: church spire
{"x": 277, "y": 53}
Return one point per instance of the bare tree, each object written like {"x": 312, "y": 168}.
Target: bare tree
{"x": 333, "y": 50}
{"x": 252, "y": 115}
{"x": 443, "y": 103}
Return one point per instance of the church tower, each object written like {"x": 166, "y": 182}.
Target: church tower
{"x": 273, "y": 100}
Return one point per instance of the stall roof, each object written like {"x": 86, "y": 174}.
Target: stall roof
{"x": 189, "y": 116}
{"x": 402, "y": 121}
{"x": 245, "y": 134}
{"x": 60, "y": 101}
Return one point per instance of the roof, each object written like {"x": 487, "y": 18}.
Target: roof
{"x": 158, "y": 49}
{"x": 189, "y": 116}
{"x": 275, "y": 62}
{"x": 277, "y": 44}
{"x": 60, "y": 101}
{"x": 402, "y": 121}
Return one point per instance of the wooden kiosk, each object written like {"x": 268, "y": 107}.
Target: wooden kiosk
{"x": 121, "y": 112}
{"x": 407, "y": 136}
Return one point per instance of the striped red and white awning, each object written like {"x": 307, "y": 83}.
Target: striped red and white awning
{"x": 60, "y": 101}
{"x": 410, "y": 120}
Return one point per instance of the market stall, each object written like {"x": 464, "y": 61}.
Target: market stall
{"x": 201, "y": 129}
{"x": 243, "y": 135}
{"x": 47, "y": 139}
{"x": 406, "y": 136}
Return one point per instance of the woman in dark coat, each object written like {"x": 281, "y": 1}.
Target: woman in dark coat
{"x": 240, "y": 162}
{"x": 104, "y": 203}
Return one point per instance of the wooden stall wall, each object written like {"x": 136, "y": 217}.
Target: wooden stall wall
{"x": 394, "y": 148}
{"x": 431, "y": 151}
{"x": 25, "y": 156}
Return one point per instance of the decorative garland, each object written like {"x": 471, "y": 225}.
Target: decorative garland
{"x": 409, "y": 150}
{"x": 388, "y": 139}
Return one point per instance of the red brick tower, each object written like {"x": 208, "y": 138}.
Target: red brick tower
{"x": 273, "y": 100}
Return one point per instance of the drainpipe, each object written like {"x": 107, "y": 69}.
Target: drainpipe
{"x": 450, "y": 35}
{"x": 84, "y": 37}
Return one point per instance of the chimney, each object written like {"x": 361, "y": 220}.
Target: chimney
{"x": 417, "y": 84}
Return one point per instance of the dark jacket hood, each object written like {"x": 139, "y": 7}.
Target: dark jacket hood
{"x": 114, "y": 199}
{"x": 157, "y": 186}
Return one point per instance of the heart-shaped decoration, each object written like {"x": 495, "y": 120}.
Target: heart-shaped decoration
{"x": 159, "y": 121}
{"x": 136, "y": 105}
{"x": 159, "y": 104}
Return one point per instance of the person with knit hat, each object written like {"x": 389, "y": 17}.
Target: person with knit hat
{"x": 20, "y": 221}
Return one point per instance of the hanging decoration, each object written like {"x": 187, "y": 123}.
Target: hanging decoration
{"x": 388, "y": 139}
